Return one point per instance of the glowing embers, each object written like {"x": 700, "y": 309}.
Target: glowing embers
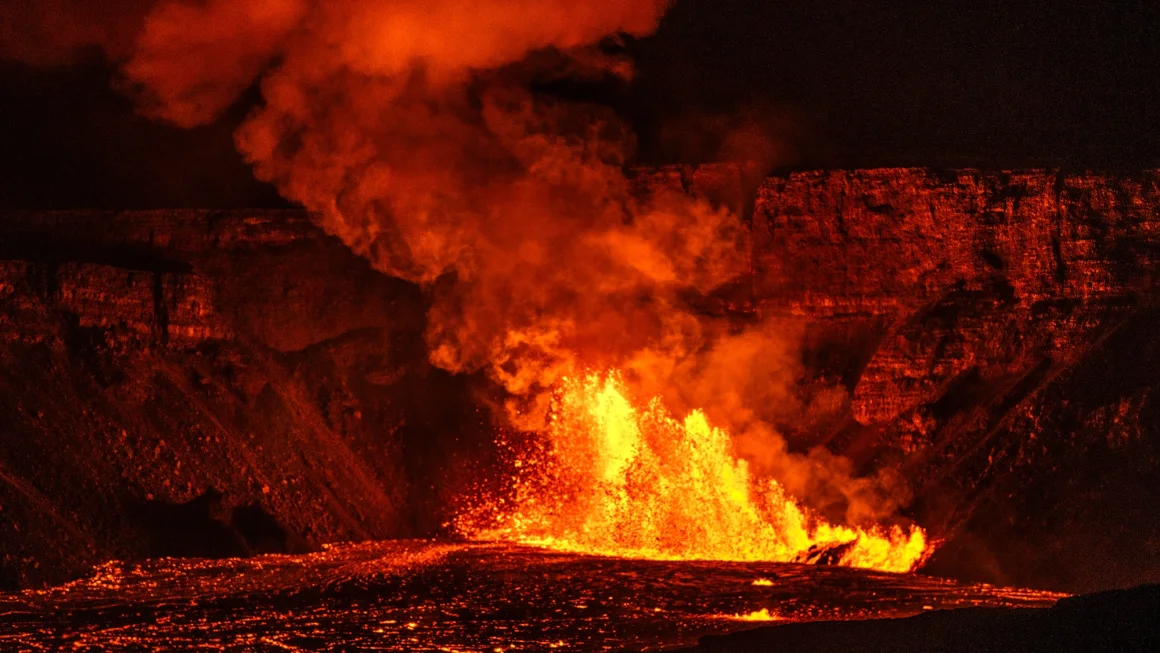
{"x": 757, "y": 615}
{"x": 614, "y": 479}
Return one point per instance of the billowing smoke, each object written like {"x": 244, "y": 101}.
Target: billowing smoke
{"x": 412, "y": 128}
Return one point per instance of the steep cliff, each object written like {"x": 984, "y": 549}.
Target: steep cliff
{"x": 992, "y": 333}
{"x": 997, "y": 332}
{"x": 209, "y": 383}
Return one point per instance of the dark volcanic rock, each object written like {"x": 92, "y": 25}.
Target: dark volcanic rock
{"x": 1013, "y": 356}
{"x": 207, "y": 527}
{"x": 1123, "y": 620}
{"x": 198, "y": 528}
{"x": 148, "y": 358}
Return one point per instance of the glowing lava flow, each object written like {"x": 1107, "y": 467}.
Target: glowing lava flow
{"x": 620, "y": 481}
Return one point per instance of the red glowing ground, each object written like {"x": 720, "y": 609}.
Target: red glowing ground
{"x": 419, "y": 595}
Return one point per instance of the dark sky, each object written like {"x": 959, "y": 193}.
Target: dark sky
{"x": 844, "y": 83}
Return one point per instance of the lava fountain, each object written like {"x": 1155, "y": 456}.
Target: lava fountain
{"x": 609, "y": 477}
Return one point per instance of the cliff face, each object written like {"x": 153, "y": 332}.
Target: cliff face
{"x": 209, "y": 383}
{"x": 994, "y": 334}
{"x": 997, "y": 333}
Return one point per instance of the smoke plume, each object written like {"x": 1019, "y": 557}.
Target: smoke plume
{"x": 412, "y": 128}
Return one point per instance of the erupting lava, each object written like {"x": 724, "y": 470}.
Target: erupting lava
{"x": 614, "y": 479}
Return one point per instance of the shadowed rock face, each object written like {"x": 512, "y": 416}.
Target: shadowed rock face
{"x": 994, "y": 331}
{"x": 1014, "y": 356}
{"x": 148, "y": 358}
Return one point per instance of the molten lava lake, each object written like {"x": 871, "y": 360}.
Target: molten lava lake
{"x": 430, "y": 596}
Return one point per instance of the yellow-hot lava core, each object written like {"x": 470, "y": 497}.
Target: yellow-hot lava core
{"x": 617, "y": 480}
{"x": 757, "y": 615}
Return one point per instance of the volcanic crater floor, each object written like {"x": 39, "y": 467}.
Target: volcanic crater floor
{"x": 416, "y": 595}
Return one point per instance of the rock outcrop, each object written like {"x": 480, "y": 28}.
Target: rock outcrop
{"x": 148, "y": 360}
{"x": 993, "y": 334}
{"x": 997, "y": 335}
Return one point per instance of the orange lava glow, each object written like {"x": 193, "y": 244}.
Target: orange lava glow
{"x": 617, "y": 479}
{"x": 757, "y": 615}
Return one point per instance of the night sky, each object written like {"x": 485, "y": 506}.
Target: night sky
{"x": 837, "y": 83}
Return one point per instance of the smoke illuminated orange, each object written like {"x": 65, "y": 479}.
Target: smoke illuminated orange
{"x": 618, "y": 480}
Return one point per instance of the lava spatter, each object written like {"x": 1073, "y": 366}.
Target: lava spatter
{"x": 616, "y": 479}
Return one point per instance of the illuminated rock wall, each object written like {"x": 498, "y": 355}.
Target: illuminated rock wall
{"x": 1010, "y": 319}
{"x": 149, "y": 358}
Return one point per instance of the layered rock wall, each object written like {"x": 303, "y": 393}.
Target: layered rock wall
{"x": 197, "y": 383}
{"x": 994, "y": 301}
